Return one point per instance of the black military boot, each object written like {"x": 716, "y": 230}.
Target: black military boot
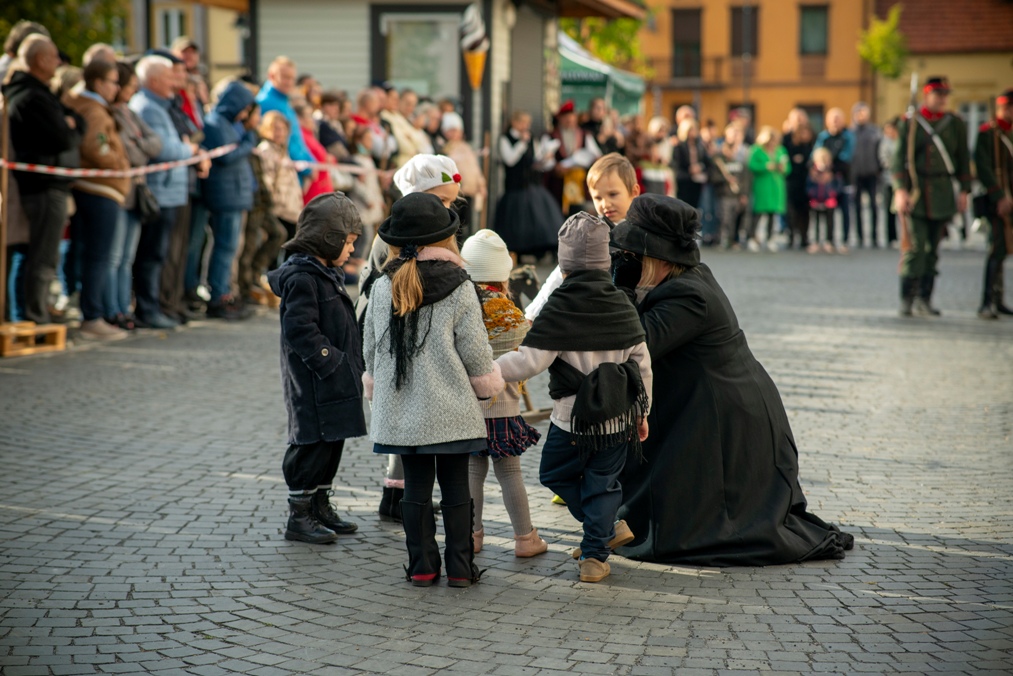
{"x": 390, "y": 503}
{"x": 922, "y": 305}
{"x": 988, "y": 296}
{"x": 907, "y": 295}
{"x": 460, "y": 547}
{"x": 997, "y": 291}
{"x": 324, "y": 512}
{"x": 303, "y": 526}
{"x": 420, "y": 537}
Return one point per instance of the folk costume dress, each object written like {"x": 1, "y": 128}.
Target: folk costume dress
{"x": 718, "y": 484}
{"x": 527, "y": 216}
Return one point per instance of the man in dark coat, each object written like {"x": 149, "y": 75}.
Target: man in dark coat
{"x": 993, "y": 158}
{"x": 931, "y": 177}
{"x": 718, "y": 485}
{"x": 43, "y": 132}
{"x": 321, "y": 363}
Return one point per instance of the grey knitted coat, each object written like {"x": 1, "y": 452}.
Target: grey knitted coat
{"x": 439, "y": 403}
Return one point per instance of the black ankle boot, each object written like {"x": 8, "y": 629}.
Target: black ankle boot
{"x": 303, "y": 526}
{"x": 460, "y": 548}
{"x": 420, "y": 538}
{"x": 324, "y": 512}
{"x": 390, "y": 503}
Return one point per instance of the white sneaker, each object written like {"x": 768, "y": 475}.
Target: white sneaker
{"x": 100, "y": 329}
{"x": 772, "y": 245}
{"x": 753, "y": 245}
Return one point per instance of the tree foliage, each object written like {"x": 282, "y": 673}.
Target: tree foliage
{"x": 74, "y": 24}
{"x": 883, "y": 46}
{"x": 614, "y": 41}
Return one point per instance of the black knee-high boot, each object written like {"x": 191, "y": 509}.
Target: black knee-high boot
{"x": 420, "y": 538}
{"x": 460, "y": 548}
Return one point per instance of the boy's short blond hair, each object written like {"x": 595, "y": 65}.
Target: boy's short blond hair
{"x": 613, "y": 162}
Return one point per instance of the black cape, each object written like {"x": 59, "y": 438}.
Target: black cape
{"x": 719, "y": 482}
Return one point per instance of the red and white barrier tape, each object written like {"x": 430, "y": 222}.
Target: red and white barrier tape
{"x": 115, "y": 173}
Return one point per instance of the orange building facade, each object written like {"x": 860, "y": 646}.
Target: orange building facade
{"x": 769, "y": 56}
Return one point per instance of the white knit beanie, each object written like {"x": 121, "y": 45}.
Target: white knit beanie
{"x": 486, "y": 257}
{"x": 425, "y": 172}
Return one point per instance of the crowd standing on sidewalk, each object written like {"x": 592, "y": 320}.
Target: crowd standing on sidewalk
{"x": 311, "y": 191}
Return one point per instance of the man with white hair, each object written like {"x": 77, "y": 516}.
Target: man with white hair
{"x": 274, "y": 95}
{"x": 43, "y": 132}
{"x": 99, "y": 51}
{"x": 21, "y": 30}
{"x": 171, "y": 187}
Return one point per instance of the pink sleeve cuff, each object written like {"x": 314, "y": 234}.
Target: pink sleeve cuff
{"x": 488, "y": 385}
{"x": 367, "y": 386}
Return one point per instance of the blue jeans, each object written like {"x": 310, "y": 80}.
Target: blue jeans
{"x": 225, "y": 227}
{"x": 121, "y": 267}
{"x": 151, "y": 250}
{"x": 95, "y": 222}
{"x": 195, "y": 250}
{"x": 589, "y": 486}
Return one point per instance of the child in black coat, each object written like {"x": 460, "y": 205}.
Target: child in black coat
{"x": 321, "y": 363}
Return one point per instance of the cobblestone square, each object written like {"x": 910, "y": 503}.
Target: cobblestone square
{"x": 142, "y": 508}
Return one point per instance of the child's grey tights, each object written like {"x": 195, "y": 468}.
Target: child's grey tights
{"x": 515, "y": 496}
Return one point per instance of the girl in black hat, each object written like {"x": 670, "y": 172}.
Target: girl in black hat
{"x": 719, "y": 482}
{"x": 428, "y": 361}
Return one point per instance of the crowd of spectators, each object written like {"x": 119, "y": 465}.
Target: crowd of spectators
{"x": 741, "y": 178}
{"x": 160, "y": 249}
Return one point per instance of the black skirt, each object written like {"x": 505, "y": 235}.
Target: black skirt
{"x": 528, "y": 220}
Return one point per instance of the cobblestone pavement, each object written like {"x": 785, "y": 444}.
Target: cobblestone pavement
{"x": 141, "y": 507}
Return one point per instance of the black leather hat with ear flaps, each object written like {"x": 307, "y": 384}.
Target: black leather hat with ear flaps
{"x": 324, "y": 225}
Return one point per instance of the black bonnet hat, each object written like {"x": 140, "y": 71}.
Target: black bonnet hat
{"x": 323, "y": 226}
{"x": 660, "y": 227}
{"x": 419, "y": 218}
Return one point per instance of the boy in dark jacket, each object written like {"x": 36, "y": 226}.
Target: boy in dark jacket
{"x": 321, "y": 363}
{"x": 228, "y": 190}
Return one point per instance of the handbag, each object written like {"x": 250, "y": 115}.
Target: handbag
{"x": 146, "y": 206}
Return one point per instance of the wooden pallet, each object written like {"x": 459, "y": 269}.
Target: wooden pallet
{"x": 18, "y": 339}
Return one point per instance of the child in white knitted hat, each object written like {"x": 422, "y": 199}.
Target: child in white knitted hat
{"x": 434, "y": 174}
{"x": 488, "y": 263}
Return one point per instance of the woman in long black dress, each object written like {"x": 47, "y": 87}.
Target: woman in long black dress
{"x": 718, "y": 485}
{"x": 527, "y": 217}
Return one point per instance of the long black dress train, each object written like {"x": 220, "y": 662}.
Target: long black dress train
{"x": 719, "y": 482}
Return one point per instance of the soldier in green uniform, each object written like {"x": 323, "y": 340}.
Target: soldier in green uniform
{"x": 993, "y": 159}
{"x": 931, "y": 177}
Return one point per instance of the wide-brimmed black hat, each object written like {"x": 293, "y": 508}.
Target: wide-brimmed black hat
{"x": 660, "y": 227}
{"x": 323, "y": 226}
{"x": 419, "y": 218}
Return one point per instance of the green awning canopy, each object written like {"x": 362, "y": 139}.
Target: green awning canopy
{"x": 584, "y": 77}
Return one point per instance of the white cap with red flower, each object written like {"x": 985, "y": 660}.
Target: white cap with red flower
{"x": 425, "y": 172}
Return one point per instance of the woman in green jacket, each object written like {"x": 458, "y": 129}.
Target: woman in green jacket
{"x": 768, "y": 160}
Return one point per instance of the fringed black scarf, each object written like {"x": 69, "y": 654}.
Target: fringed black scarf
{"x": 587, "y": 313}
{"x": 607, "y": 407}
{"x": 439, "y": 280}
